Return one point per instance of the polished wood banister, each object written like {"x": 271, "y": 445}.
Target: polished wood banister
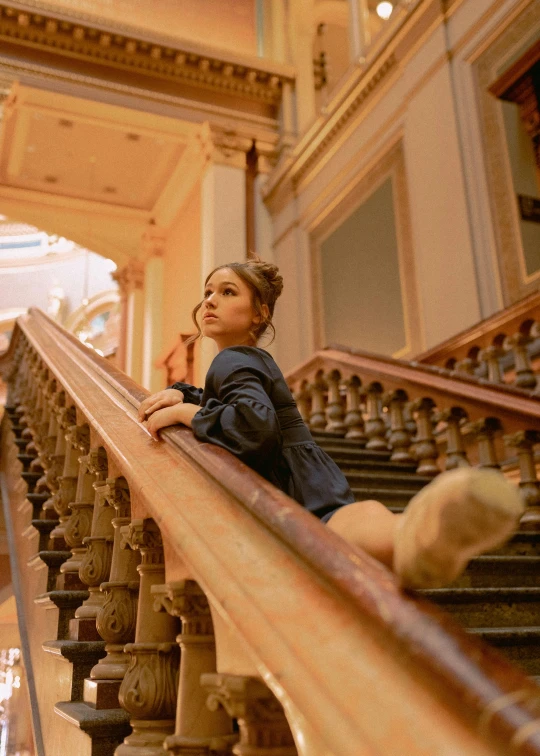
{"x": 344, "y": 600}
{"x": 516, "y": 406}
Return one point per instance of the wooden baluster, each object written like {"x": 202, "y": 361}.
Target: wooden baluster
{"x": 525, "y": 377}
{"x": 467, "y": 366}
{"x": 67, "y": 481}
{"x": 485, "y": 430}
{"x": 408, "y": 420}
{"x": 116, "y": 620}
{"x": 48, "y": 432}
{"x": 76, "y": 526}
{"x": 149, "y": 689}
{"x": 354, "y": 421}
{"x": 375, "y": 425}
{"x": 96, "y": 561}
{"x": 456, "y": 456}
{"x": 335, "y": 411}
{"x": 317, "y": 418}
{"x": 399, "y": 439}
{"x": 523, "y": 442}
{"x": 199, "y": 731}
{"x": 425, "y": 447}
{"x": 491, "y": 355}
{"x": 302, "y": 398}
{"x": 264, "y": 730}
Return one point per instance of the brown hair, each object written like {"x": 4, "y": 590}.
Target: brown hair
{"x": 265, "y": 284}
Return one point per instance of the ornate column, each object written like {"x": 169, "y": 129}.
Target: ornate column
{"x": 116, "y": 619}
{"x": 399, "y": 439}
{"x": 149, "y": 689}
{"x": 199, "y": 731}
{"x": 74, "y": 437}
{"x": 264, "y": 730}
{"x": 425, "y": 447}
{"x": 130, "y": 280}
{"x": 153, "y": 250}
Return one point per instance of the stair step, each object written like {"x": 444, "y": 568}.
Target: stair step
{"x": 523, "y": 543}
{"x": 521, "y": 645}
{"x": 82, "y": 654}
{"x": 500, "y": 571}
{"x": 376, "y": 466}
{"x": 67, "y": 602}
{"x": 489, "y": 607}
{"x": 107, "y": 728}
{"x": 387, "y": 479}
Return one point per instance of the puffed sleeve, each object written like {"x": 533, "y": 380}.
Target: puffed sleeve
{"x": 240, "y": 416}
{"x": 192, "y": 394}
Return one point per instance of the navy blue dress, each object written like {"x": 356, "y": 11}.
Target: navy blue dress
{"x": 248, "y": 409}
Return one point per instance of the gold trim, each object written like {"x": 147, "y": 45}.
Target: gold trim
{"x": 71, "y": 38}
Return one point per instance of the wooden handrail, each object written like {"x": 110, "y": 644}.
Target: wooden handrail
{"x": 358, "y": 665}
{"x": 516, "y": 407}
{"x": 482, "y": 334}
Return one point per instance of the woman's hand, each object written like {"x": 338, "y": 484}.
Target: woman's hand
{"x": 165, "y": 398}
{"x": 178, "y": 413}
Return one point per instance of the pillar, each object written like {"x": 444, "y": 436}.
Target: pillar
{"x": 130, "y": 280}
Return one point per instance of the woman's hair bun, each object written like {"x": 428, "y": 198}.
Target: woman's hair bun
{"x": 269, "y": 272}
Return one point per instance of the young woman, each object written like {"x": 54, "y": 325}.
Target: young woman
{"x": 247, "y": 408}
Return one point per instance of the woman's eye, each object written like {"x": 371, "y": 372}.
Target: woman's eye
{"x": 207, "y": 294}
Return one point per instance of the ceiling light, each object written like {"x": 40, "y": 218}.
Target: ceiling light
{"x": 384, "y": 10}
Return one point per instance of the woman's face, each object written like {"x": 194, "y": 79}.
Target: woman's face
{"x": 227, "y": 312}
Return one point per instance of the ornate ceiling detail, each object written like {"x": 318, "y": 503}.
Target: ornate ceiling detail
{"x": 83, "y": 40}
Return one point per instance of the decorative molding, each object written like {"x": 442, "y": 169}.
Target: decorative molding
{"x": 371, "y": 85}
{"x": 84, "y": 39}
{"x": 130, "y": 277}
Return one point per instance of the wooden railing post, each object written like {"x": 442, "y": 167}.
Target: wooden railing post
{"x": 317, "y": 418}
{"x": 484, "y": 431}
{"x": 354, "y": 422}
{"x": 456, "y": 456}
{"x": 264, "y": 730}
{"x": 116, "y": 619}
{"x": 149, "y": 688}
{"x": 425, "y": 447}
{"x": 375, "y": 426}
{"x": 303, "y": 401}
{"x": 199, "y": 731}
{"x": 491, "y": 355}
{"x": 525, "y": 378}
{"x": 76, "y": 526}
{"x": 524, "y": 442}
{"x": 335, "y": 411}
{"x": 399, "y": 439}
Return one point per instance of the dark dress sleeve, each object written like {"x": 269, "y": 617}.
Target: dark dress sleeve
{"x": 238, "y": 414}
{"x": 192, "y": 394}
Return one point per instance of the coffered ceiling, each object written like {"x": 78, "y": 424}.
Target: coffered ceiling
{"x": 89, "y": 171}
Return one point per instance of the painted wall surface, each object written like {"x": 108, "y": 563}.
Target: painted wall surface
{"x": 228, "y": 24}
{"x": 445, "y": 269}
{"x": 361, "y": 288}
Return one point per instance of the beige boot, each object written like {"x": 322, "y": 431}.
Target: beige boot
{"x": 459, "y": 515}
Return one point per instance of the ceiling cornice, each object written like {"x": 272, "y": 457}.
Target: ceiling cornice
{"x": 35, "y": 26}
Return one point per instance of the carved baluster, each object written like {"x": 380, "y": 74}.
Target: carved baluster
{"x": 54, "y": 451}
{"x": 96, "y": 561}
{"x": 408, "y": 420}
{"x": 523, "y": 442}
{"x": 491, "y": 355}
{"x": 425, "y": 446}
{"x": 46, "y": 435}
{"x": 302, "y": 398}
{"x": 467, "y": 366}
{"x": 199, "y": 731}
{"x": 264, "y": 729}
{"x": 116, "y": 619}
{"x": 76, "y": 526}
{"x": 399, "y": 439}
{"x": 354, "y": 421}
{"x": 484, "y": 431}
{"x": 525, "y": 377}
{"x": 453, "y": 418}
{"x": 317, "y": 418}
{"x": 335, "y": 411}
{"x": 375, "y": 425}
{"x": 149, "y": 689}
{"x": 77, "y": 438}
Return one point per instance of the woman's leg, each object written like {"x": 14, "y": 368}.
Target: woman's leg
{"x": 459, "y": 515}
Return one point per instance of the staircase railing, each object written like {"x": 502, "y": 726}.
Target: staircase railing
{"x": 154, "y": 567}
{"x": 504, "y": 348}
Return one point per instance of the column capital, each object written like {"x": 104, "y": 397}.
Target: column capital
{"x": 224, "y": 146}
{"x": 130, "y": 277}
{"x": 153, "y": 242}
